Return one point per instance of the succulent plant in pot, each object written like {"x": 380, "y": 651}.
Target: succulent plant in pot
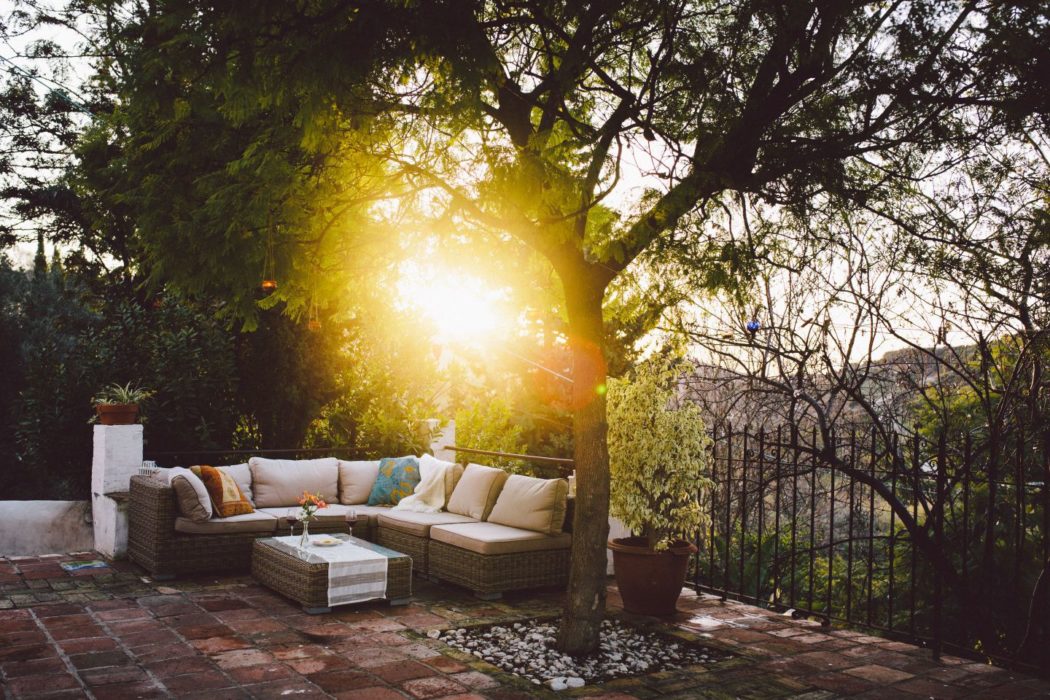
{"x": 119, "y": 404}
{"x": 659, "y": 455}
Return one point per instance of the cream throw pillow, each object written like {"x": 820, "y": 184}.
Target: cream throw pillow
{"x": 190, "y": 494}
{"x": 532, "y": 504}
{"x": 477, "y": 491}
{"x": 280, "y": 482}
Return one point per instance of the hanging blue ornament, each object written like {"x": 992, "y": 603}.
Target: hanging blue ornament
{"x": 752, "y": 326}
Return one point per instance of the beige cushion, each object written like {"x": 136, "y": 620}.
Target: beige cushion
{"x": 532, "y": 504}
{"x": 255, "y": 521}
{"x": 477, "y": 491}
{"x": 419, "y": 524}
{"x": 334, "y": 513}
{"x": 280, "y": 482}
{"x": 356, "y": 480}
{"x": 241, "y": 474}
{"x": 190, "y": 494}
{"x": 491, "y": 538}
{"x": 372, "y": 513}
{"x": 452, "y": 476}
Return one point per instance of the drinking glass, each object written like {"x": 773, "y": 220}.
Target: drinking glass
{"x": 351, "y": 518}
{"x": 292, "y": 517}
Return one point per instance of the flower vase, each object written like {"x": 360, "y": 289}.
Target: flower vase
{"x": 304, "y": 540}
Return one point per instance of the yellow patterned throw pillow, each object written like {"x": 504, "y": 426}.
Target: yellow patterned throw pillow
{"x": 226, "y": 497}
{"x": 397, "y": 478}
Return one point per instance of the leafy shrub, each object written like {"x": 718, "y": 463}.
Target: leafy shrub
{"x": 658, "y": 456}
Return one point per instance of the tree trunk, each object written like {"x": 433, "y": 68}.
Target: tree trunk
{"x": 585, "y": 600}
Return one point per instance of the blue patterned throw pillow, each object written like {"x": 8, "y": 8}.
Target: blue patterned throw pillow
{"x": 397, "y": 478}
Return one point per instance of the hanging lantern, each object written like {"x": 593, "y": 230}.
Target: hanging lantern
{"x": 268, "y": 285}
{"x": 314, "y": 323}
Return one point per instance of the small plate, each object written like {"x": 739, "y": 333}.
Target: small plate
{"x": 325, "y": 541}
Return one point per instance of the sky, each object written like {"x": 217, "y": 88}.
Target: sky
{"x": 12, "y": 57}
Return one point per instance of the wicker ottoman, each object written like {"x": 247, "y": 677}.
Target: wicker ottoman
{"x": 307, "y": 582}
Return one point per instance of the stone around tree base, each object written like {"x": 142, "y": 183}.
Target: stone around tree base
{"x": 527, "y": 649}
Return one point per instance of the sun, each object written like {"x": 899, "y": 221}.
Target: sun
{"x": 460, "y": 307}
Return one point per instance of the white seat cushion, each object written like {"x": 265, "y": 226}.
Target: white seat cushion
{"x": 419, "y": 524}
{"x": 334, "y": 513}
{"x": 248, "y": 522}
{"x": 490, "y": 538}
{"x": 372, "y": 513}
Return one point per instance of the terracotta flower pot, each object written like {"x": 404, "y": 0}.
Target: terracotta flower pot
{"x": 649, "y": 582}
{"x": 117, "y": 413}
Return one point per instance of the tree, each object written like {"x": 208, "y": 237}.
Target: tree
{"x": 323, "y": 129}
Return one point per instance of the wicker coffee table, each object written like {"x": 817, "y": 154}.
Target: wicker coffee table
{"x": 303, "y": 577}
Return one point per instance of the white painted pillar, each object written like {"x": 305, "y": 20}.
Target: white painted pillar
{"x": 117, "y": 455}
{"x": 441, "y": 437}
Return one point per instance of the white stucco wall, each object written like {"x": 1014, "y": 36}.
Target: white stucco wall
{"x": 45, "y": 527}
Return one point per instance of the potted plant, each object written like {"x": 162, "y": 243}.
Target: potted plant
{"x": 119, "y": 405}
{"x": 659, "y": 461}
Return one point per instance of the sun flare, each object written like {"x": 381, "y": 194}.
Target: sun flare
{"x": 458, "y": 306}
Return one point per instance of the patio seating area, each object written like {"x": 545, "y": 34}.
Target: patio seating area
{"x": 112, "y": 632}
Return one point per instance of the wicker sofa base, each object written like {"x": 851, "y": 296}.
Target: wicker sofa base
{"x": 181, "y": 555}
{"x": 491, "y": 574}
{"x": 155, "y": 545}
{"x": 307, "y": 583}
{"x": 412, "y": 545}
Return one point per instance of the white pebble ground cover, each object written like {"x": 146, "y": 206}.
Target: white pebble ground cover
{"x": 527, "y": 649}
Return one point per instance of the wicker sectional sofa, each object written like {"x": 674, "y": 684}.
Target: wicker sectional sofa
{"x": 469, "y": 548}
{"x": 164, "y": 543}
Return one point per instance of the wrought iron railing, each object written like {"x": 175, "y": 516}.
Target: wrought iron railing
{"x": 940, "y": 543}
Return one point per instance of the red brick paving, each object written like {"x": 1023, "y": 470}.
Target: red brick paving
{"x": 110, "y": 634}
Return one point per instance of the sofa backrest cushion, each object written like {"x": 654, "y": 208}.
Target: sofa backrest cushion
{"x": 190, "y": 495}
{"x": 477, "y": 491}
{"x": 532, "y": 504}
{"x": 280, "y": 482}
{"x": 226, "y": 497}
{"x": 452, "y": 477}
{"x": 243, "y": 476}
{"x": 356, "y": 480}
{"x": 397, "y": 478}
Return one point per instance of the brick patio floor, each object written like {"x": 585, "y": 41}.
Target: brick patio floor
{"x": 112, "y": 633}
